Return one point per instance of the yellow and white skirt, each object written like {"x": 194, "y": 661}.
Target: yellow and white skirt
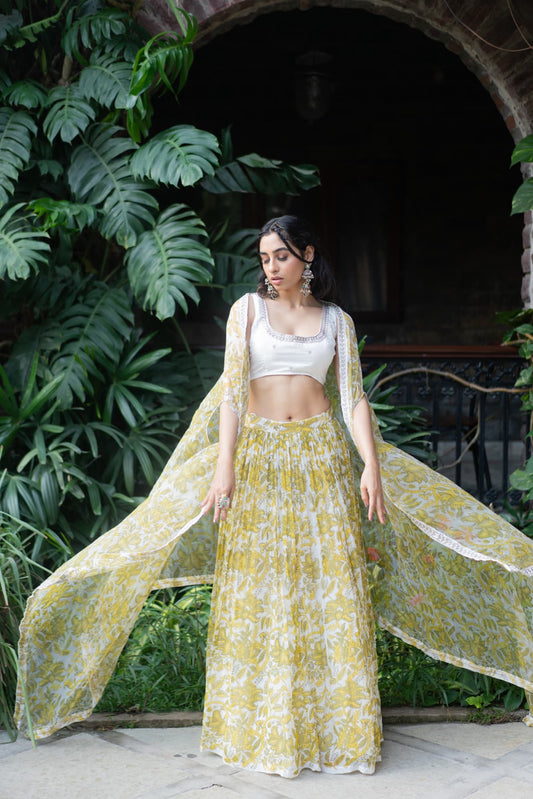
{"x": 291, "y": 664}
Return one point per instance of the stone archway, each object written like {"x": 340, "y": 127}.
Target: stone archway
{"x": 506, "y": 71}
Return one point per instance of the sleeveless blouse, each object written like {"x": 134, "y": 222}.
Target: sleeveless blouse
{"x": 275, "y": 353}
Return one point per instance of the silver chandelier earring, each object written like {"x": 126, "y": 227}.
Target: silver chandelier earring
{"x": 307, "y": 277}
{"x": 272, "y": 293}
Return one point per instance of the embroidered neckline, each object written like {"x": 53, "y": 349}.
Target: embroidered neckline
{"x": 291, "y": 336}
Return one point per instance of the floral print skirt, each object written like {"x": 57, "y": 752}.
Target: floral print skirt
{"x": 292, "y": 670}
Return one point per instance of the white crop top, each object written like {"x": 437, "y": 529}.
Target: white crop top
{"x": 274, "y": 353}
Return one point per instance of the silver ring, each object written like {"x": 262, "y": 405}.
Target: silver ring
{"x": 223, "y": 503}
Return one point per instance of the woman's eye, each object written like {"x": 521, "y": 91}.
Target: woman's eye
{"x": 282, "y": 258}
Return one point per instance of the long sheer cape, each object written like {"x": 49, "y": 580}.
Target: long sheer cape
{"x": 455, "y": 579}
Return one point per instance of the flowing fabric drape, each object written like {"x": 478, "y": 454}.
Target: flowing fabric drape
{"x": 456, "y": 579}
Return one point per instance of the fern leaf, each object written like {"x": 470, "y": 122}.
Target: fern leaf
{"x": 182, "y": 154}
{"x": 16, "y": 130}
{"x": 100, "y": 175}
{"x": 169, "y": 261}
{"x": 22, "y": 248}
{"x": 69, "y": 113}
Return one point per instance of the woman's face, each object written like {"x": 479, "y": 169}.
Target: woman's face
{"x": 282, "y": 268}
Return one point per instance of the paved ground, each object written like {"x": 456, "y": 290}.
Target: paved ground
{"x": 420, "y": 761}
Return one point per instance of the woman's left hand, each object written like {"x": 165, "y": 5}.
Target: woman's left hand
{"x": 372, "y": 492}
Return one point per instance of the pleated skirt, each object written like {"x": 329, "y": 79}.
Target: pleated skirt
{"x": 291, "y": 660}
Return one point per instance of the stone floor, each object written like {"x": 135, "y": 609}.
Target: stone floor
{"x": 420, "y": 761}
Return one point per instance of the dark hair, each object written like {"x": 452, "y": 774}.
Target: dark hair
{"x": 296, "y": 234}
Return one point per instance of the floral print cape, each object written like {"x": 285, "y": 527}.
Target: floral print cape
{"x": 455, "y": 579}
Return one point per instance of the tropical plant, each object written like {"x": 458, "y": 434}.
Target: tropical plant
{"x": 407, "y": 676}
{"x": 163, "y": 664}
{"x": 98, "y": 271}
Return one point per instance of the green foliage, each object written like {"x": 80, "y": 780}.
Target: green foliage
{"x": 182, "y": 154}
{"x": 163, "y": 664}
{"x": 69, "y": 113}
{"x": 98, "y": 269}
{"x": 90, "y": 404}
{"x": 22, "y": 248}
{"x": 28, "y": 93}
{"x": 100, "y": 175}
{"x": 87, "y": 33}
{"x": 402, "y": 425}
{"x": 16, "y": 129}
{"x": 253, "y": 173}
{"x": 166, "y": 58}
{"x": 181, "y": 259}
{"x": 235, "y": 262}
{"x": 107, "y": 81}
{"x": 63, "y": 214}
{"x": 407, "y": 676}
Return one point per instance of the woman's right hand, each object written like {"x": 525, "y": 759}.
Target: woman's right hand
{"x": 223, "y": 485}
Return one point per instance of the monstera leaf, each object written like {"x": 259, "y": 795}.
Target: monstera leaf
{"x": 28, "y": 93}
{"x": 162, "y": 63}
{"x": 182, "y": 154}
{"x": 167, "y": 57}
{"x": 16, "y": 131}
{"x": 236, "y": 263}
{"x": 69, "y": 113}
{"x": 93, "y": 30}
{"x": 90, "y": 333}
{"x": 107, "y": 81}
{"x": 168, "y": 261}
{"x": 100, "y": 175}
{"x": 253, "y": 173}
{"x": 22, "y": 248}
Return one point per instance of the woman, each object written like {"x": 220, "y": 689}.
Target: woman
{"x": 292, "y": 670}
{"x": 292, "y": 677}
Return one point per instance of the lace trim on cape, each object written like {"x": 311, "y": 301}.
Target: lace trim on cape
{"x": 464, "y": 663}
{"x": 461, "y": 549}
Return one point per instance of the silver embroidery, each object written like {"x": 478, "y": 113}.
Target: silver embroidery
{"x": 263, "y": 313}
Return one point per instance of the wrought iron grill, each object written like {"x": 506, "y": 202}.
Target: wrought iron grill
{"x": 478, "y": 435}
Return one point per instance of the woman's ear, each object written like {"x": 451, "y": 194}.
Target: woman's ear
{"x": 309, "y": 253}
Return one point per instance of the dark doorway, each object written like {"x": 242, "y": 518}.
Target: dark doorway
{"x": 416, "y": 189}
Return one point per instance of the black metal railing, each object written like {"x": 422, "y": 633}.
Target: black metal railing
{"x": 478, "y": 430}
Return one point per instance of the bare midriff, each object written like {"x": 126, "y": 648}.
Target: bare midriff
{"x": 287, "y": 398}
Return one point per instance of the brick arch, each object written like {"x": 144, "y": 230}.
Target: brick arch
{"x": 508, "y": 77}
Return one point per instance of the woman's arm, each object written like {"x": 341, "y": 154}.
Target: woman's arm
{"x": 371, "y": 488}
{"x": 357, "y": 414}
{"x": 223, "y": 484}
